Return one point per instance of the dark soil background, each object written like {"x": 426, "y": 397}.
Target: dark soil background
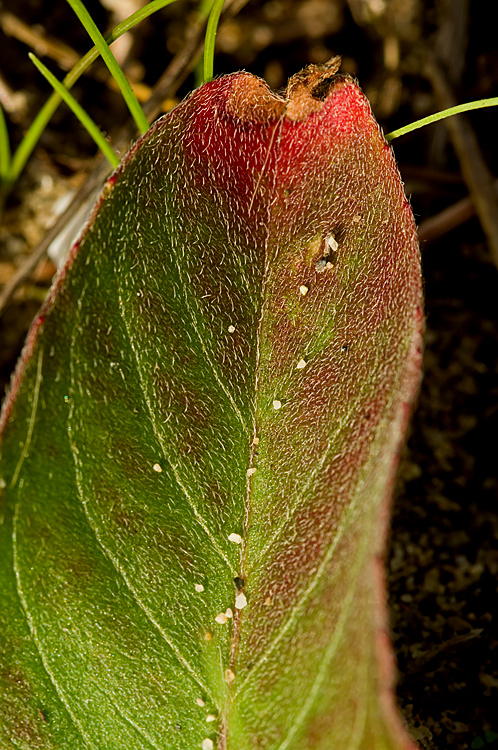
{"x": 443, "y": 559}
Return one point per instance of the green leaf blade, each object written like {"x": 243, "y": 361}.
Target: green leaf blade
{"x": 167, "y": 367}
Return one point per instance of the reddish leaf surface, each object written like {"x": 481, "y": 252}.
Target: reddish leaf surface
{"x": 200, "y": 442}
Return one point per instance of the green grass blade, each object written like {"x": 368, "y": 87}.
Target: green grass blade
{"x": 78, "y": 110}
{"x": 479, "y": 104}
{"x": 25, "y": 148}
{"x": 204, "y": 9}
{"x": 131, "y": 100}
{"x": 5, "y": 156}
{"x": 211, "y": 30}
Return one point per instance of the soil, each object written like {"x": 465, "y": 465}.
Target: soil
{"x": 443, "y": 558}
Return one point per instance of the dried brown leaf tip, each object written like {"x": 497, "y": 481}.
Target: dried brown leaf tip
{"x": 308, "y": 89}
{"x": 252, "y": 100}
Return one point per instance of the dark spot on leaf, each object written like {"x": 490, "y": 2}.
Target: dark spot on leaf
{"x": 14, "y": 676}
{"x": 339, "y": 233}
{"x": 129, "y": 456}
{"x": 77, "y": 567}
{"x": 328, "y": 261}
{"x": 126, "y": 522}
{"x": 322, "y": 89}
{"x": 51, "y": 449}
{"x": 239, "y": 583}
{"x": 344, "y": 347}
{"x": 328, "y": 255}
{"x": 19, "y": 725}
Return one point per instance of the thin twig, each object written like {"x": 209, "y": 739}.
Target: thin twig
{"x": 66, "y": 58}
{"x": 184, "y": 61}
{"x": 39, "y": 41}
{"x": 96, "y": 177}
{"x": 449, "y": 646}
{"x": 176, "y": 72}
{"x": 450, "y": 218}
{"x": 474, "y": 169}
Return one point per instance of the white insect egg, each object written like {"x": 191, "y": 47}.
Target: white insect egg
{"x": 303, "y": 289}
{"x": 199, "y": 587}
{"x": 301, "y": 364}
{"x": 331, "y": 244}
{"x": 210, "y": 717}
{"x": 231, "y": 329}
{"x": 251, "y": 471}
{"x": 207, "y": 744}
{"x": 229, "y": 675}
{"x": 277, "y": 404}
{"x": 221, "y": 618}
{"x": 158, "y": 468}
{"x": 200, "y": 702}
{"x": 235, "y": 538}
{"x": 240, "y": 601}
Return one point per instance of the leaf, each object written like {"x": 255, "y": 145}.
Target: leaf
{"x": 200, "y": 440}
